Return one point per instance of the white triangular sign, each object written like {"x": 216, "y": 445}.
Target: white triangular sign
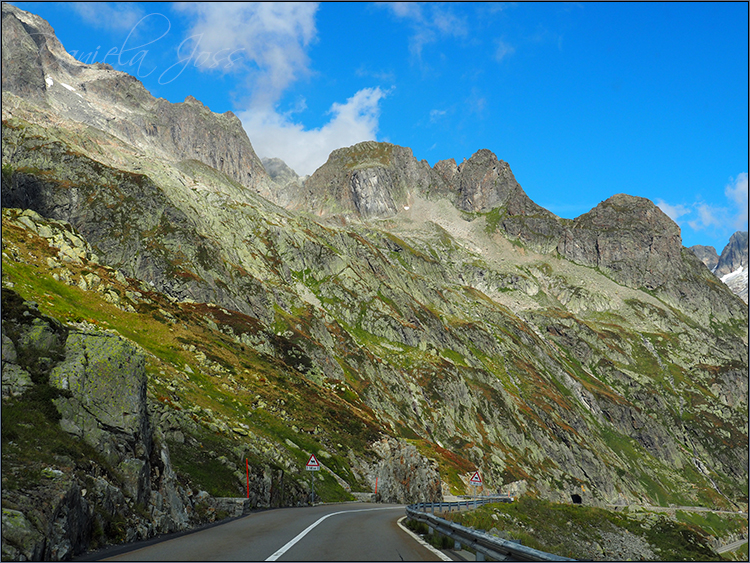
{"x": 476, "y": 479}
{"x": 313, "y": 461}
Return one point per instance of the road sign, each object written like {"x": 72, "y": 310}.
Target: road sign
{"x": 313, "y": 464}
{"x": 476, "y": 479}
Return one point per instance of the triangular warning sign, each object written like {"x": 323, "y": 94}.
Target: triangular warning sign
{"x": 313, "y": 461}
{"x": 476, "y": 479}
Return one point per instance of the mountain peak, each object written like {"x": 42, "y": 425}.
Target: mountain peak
{"x": 375, "y": 179}
{"x": 484, "y": 182}
{"x": 734, "y": 255}
{"x": 707, "y": 255}
{"x": 370, "y": 179}
{"x": 37, "y": 69}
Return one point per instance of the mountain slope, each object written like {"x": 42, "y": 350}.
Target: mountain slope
{"x": 443, "y": 308}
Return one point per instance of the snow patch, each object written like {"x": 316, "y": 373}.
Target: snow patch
{"x": 68, "y": 87}
{"x": 49, "y": 81}
{"x": 741, "y": 271}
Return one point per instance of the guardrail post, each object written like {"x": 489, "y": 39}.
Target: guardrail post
{"x": 480, "y": 556}
{"x": 456, "y": 545}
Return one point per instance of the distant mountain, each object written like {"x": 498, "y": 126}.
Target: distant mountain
{"x": 707, "y": 255}
{"x": 407, "y": 324}
{"x": 732, "y": 266}
{"x": 734, "y": 255}
{"x": 279, "y": 171}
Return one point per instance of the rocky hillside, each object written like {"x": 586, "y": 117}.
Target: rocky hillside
{"x": 106, "y": 472}
{"x": 408, "y": 324}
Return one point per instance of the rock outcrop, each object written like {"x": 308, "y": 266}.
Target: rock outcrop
{"x": 401, "y": 475}
{"x": 372, "y": 179}
{"x": 629, "y": 237}
{"x": 366, "y": 180}
{"x": 97, "y": 383}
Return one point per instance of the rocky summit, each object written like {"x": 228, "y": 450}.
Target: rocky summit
{"x": 182, "y": 329}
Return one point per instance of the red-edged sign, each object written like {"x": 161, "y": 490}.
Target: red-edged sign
{"x": 476, "y": 479}
{"x": 313, "y": 464}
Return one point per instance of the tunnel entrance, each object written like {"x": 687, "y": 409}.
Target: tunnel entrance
{"x": 575, "y": 498}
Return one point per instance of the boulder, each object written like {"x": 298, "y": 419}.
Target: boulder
{"x": 106, "y": 408}
{"x": 20, "y": 538}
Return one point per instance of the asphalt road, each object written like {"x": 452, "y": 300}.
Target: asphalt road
{"x": 731, "y": 546}
{"x": 343, "y": 532}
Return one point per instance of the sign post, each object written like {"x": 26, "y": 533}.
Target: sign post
{"x": 476, "y": 480}
{"x": 312, "y": 465}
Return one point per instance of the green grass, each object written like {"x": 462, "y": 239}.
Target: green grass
{"x": 718, "y": 525}
{"x": 740, "y": 554}
{"x": 205, "y": 471}
{"x": 32, "y": 439}
{"x": 436, "y": 539}
{"x": 556, "y": 528}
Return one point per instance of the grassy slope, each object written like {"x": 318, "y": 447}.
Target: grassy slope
{"x": 568, "y": 530}
{"x": 232, "y": 387}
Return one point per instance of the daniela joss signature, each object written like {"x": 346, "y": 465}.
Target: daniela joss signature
{"x": 134, "y": 54}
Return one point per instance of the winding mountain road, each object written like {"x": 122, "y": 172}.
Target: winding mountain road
{"x": 344, "y": 532}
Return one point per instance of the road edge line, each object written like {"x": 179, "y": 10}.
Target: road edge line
{"x": 423, "y": 543}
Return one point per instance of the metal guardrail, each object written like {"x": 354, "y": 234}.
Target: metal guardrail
{"x": 480, "y": 541}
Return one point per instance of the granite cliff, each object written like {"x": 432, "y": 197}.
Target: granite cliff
{"x": 404, "y": 322}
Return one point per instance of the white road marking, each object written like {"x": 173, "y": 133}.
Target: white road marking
{"x": 423, "y": 543}
{"x": 281, "y": 551}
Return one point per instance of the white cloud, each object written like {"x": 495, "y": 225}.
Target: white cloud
{"x": 276, "y": 135}
{"x": 674, "y": 212}
{"x": 715, "y": 220}
{"x": 503, "y": 50}
{"x": 736, "y": 192}
{"x": 709, "y": 217}
{"x": 119, "y": 16}
{"x": 429, "y": 22}
{"x": 270, "y": 39}
{"x": 436, "y": 114}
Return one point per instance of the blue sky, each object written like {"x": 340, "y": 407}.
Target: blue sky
{"x": 582, "y": 100}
